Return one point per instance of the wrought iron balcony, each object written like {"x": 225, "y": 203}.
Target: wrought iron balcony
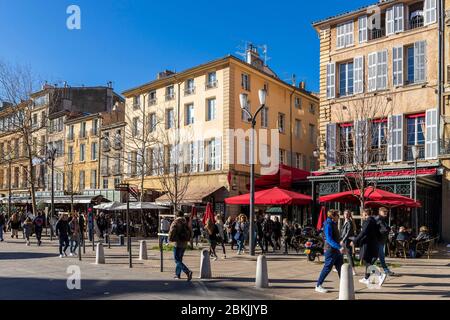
{"x": 189, "y": 91}
{"x": 444, "y": 150}
{"x": 376, "y": 33}
{"x": 211, "y": 84}
{"x": 378, "y": 154}
{"x": 416, "y": 22}
{"x": 409, "y": 153}
{"x": 345, "y": 157}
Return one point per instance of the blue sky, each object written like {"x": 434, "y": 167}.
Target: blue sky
{"x": 129, "y": 41}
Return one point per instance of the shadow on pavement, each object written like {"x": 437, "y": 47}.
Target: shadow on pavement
{"x": 25, "y": 255}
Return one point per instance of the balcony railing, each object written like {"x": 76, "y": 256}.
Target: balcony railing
{"x": 378, "y": 154}
{"x": 444, "y": 150}
{"x": 212, "y": 84}
{"x": 152, "y": 102}
{"x": 376, "y": 33}
{"x": 345, "y": 157}
{"x": 170, "y": 96}
{"x": 409, "y": 153}
{"x": 189, "y": 91}
{"x": 416, "y": 22}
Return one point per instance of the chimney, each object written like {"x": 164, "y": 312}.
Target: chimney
{"x": 302, "y": 85}
{"x": 253, "y": 58}
{"x": 164, "y": 74}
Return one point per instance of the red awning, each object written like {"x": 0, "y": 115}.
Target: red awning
{"x": 399, "y": 173}
{"x": 372, "y": 196}
{"x": 284, "y": 178}
{"x": 275, "y": 196}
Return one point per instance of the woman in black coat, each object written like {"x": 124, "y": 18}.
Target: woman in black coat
{"x": 367, "y": 241}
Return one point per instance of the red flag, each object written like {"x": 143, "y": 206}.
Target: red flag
{"x": 208, "y": 214}
{"x": 322, "y": 218}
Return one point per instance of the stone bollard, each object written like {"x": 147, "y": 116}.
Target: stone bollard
{"x": 346, "y": 287}
{"x": 121, "y": 240}
{"x": 262, "y": 278}
{"x": 100, "y": 254}
{"x": 143, "y": 250}
{"x": 205, "y": 265}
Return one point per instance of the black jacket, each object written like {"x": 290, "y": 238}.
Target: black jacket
{"x": 383, "y": 228}
{"x": 367, "y": 240}
{"x": 62, "y": 228}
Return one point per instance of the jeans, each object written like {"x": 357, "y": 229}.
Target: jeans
{"x": 1, "y": 232}
{"x": 73, "y": 245}
{"x": 38, "y": 231}
{"x": 178, "y": 254}
{"x": 267, "y": 241}
{"x": 63, "y": 242}
{"x": 381, "y": 256}
{"x": 349, "y": 255}
{"x": 332, "y": 258}
{"x": 240, "y": 243}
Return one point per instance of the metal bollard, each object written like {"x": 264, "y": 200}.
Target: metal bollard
{"x": 143, "y": 250}
{"x": 205, "y": 265}
{"x": 262, "y": 278}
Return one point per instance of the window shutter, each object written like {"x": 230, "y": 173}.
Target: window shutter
{"x": 358, "y": 70}
{"x": 395, "y": 139}
{"x": 331, "y": 80}
{"x": 340, "y": 36}
{"x": 130, "y": 163}
{"x": 397, "y": 58}
{"x": 381, "y": 70}
{"x": 419, "y": 61}
{"x": 361, "y": 146}
{"x": 349, "y": 34}
{"x": 362, "y": 32}
{"x": 218, "y": 160}
{"x": 201, "y": 155}
{"x": 372, "y": 72}
{"x": 399, "y": 18}
{"x": 430, "y": 11}
{"x": 390, "y": 21}
{"x": 431, "y": 136}
{"x": 331, "y": 144}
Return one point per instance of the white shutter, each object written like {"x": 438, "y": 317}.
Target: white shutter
{"x": 331, "y": 144}
{"x": 431, "y": 135}
{"x": 372, "y": 72}
{"x": 430, "y": 7}
{"x": 201, "y": 155}
{"x": 130, "y": 163}
{"x": 340, "y": 36}
{"x": 390, "y": 21}
{"x": 218, "y": 154}
{"x": 139, "y": 163}
{"x": 397, "y": 58}
{"x": 361, "y": 143}
{"x": 362, "y": 29}
{"x": 381, "y": 68}
{"x": 395, "y": 138}
{"x": 419, "y": 61}
{"x": 331, "y": 80}
{"x": 349, "y": 34}
{"x": 399, "y": 16}
{"x": 358, "y": 74}
{"x": 195, "y": 156}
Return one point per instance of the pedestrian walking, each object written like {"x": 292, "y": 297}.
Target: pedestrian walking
{"x": 27, "y": 229}
{"x": 2, "y": 225}
{"x": 212, "y": 233}
{"x": 287, "y": 233}
{"x": 74, "y": 235}
{"x": 347, "y": 235}
{"x": 230, "y": 226}
{"x": 62, "y": 230}
{"x": 267, "y": 226}
{"x": 164, "y": 227}
{"x": 277, "y": 233}
{"x": 384, "y": 230}
{"x": 221, "y": 234}
{"x": 38, "y": 223}
{"x": 180, "y": 233}
{"x": 82, "y": 225}
{"x": 14, "y": 224}
{"x": 259, "y": 232}
{"x": 241, "y": 229}
{"x": 196, "y": 229}
{"x": 368, "y": 242}
{"x": 333, "y": 250}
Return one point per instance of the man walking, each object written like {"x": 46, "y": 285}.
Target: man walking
{"x": 38, "y": 223}
{"x": 384, "y": 229}
{"x": 164, "y": 227}
{"x": 180, "y": 233}
{"x": 2, "y": 225}
{"x": 333, "y": 250}
{"x": 267, "y": 226}
{"x": 62, "y": 231}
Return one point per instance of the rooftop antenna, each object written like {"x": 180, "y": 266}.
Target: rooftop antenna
{"x": 243, "y": 50}
{"x": 265, "y": 50}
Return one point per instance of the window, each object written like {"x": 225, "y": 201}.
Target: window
{"x": 430, "y": 11}
{"x": 189, "y": 114}
{"x": 346, "y": 147}
{"x": 93, "y": 179}
{"x": 345, "y": 35}
{"x": 95, "y": 127}
{"x": 94, "y": 148}
{"x": 83, "y": 130}
{"x": 170, "y": 93}
{"x": 70, "y": 155}
{"x": 105, "y": 183}
{"x": 135, "y": 128}
{"x": 244, "y": 115}
{"x": 117, "y": 181}
{"x": 415, "y": 135}
{"x": 211, "y": 155}
{"x": 331, "y": 80}
{"x": 152, "y": 122}
{"x": 152, "y": 98}
{"x": 379, "y": 129}
{"x": 378, "y": 71}
{"x": 245, "y": 81}
{"x": 71, "y": 133}
{"x": 34, "y": 122}
{"x": 298, "y": 102}
{"x": 415, "y": 63}
{"x": 211, "y": 80}
{"x": 346, "y": 79}
{"x": 59, "y": 146}
{"x": 265, "y": 117}
{"x": 211, "y": 112}
{"x": 82, "y": 152}
{"x": 281, "y": 122}
{"x": 298, "y": 161}
{"x": 312, "y": 134}
{"x": 136, "y": 102}
{"x": 282, "y": 156}
{"x": 395, "y": 142}
{"x": 81, "y": 181}
{"x": 298, "y": 128}
{"x": 362, "y": 29}
{"x": 312, "y": 163}
{"x": 189, "y": 87}
{"x": 395, "y": 19}
{"x": 169, "y": 119}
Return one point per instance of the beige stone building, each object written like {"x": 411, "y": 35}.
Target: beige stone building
{"x": 388, "y": 58}
{"x": 204, "y": 104}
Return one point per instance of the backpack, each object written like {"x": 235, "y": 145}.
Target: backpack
{"x": 38, "y": 222}
{"x": 182, "y": 233}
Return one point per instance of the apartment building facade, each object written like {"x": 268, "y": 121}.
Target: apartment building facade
{"x": 204, "y": 104}
{"x": 386, "y": 58}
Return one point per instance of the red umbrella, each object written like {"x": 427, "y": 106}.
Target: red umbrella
{"x": 371, "y": 195}
{"x": 322, "y": 218}
{"x": 394, "y": 204}
{"x": 208, "y": 214}
{"x": 275, "y": 196}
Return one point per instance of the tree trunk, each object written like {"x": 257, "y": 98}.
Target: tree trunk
{"x": 32, "y": 182}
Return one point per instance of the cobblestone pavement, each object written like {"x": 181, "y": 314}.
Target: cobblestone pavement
{"x": 37, "y": 272}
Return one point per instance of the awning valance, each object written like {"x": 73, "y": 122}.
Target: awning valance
{"x": 194, "y": 194}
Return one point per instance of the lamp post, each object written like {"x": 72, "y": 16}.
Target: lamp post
{"x": 51, "y": 155}
{"x": 415, "y": 154}
{"x": 252, "y": 118}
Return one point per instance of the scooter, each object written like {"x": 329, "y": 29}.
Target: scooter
{"x": 314, "y": 248}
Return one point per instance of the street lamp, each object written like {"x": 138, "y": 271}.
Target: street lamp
{"x": 415, "y": 154}
{"x": 252, "y": 118}
{"x": 51, "y": 155}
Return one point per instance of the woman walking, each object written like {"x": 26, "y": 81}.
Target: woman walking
{"x": 347, "y": 235}
{"x": 212, "y": 232}
{"x": 287, "y": 234}
{"x": 14, "y": 224}
{"x": 74, "y": 225}
{"x": 196, "y": 229}
{"x": 277, "y": 233}
{"x": 241, "y": 231}
{"x": 27, "y": 229}
{"x": 221, "y": 234}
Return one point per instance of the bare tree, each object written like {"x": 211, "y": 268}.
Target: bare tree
{"x": 362, "y": 140}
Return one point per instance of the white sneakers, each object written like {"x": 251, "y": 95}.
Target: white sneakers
{"x": 321, "y": 289}
{"x": 364, "y": 281}
{"x": 71, "y": 254}
{"x": 382, "y": 278}
{"x": 61, "y": 256}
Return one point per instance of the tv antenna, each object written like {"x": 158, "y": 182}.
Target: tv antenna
{"x": 265, "y": 50}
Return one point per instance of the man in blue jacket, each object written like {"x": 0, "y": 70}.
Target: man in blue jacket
{"x": 333, "y": 249}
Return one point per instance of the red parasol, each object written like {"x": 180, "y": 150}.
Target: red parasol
{"x": 208, "y": 214}
{"x": 322, "y": 218}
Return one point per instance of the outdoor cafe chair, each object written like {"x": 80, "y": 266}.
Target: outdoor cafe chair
{"x": 401, "y": 247}
{"x": 427, "y": 246}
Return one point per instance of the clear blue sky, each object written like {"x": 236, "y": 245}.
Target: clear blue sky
{"x": 129, "y": 41}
